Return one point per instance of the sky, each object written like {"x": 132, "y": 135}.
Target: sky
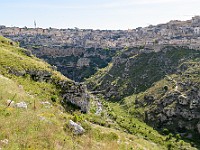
{"x": 95, "y": 14}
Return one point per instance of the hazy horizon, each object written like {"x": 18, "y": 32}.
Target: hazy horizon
{"x": 104, "y": 15}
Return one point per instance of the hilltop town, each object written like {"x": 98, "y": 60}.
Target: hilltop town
{"x": 79, "y": 53}
{"x": 184, "y": 33}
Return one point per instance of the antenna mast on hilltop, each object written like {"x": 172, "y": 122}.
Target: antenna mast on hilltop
{"x": 34, "y": 23}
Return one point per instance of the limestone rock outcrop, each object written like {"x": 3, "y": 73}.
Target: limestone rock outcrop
{"x": 77, "y": 129}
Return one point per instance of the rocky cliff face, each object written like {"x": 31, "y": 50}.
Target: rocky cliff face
{"x": 177, "y": 105}
{"x": 75, "y": 94}
{"x": 74, "y": 62}
{"x": 72, "y": 92}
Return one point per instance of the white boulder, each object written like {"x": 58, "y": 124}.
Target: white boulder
{"x": 46, "y": 104}
{"x": 21, "y": 105}
{"x": 76, "y": 128}
{"x": 10, "y": 103}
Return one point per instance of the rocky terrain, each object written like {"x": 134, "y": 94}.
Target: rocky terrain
{"x": 176, "y": 105}
{"x": 143, "y": 82}
{"x": 42, "y": 109}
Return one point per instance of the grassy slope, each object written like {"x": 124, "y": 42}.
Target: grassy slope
{"x": 125, "y": 119}
{"x": 41, "y": 127}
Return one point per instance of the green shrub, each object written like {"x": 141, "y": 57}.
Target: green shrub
{"x": 54, "y": 98}
{"x": 169, "y": 137}
{"x": 178, "y": 137}
{"x": 165, "y": 131}
{"x": 78, "y": 118}
{"x": 169, "y": 146}
{"x": 114, "y": 116}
